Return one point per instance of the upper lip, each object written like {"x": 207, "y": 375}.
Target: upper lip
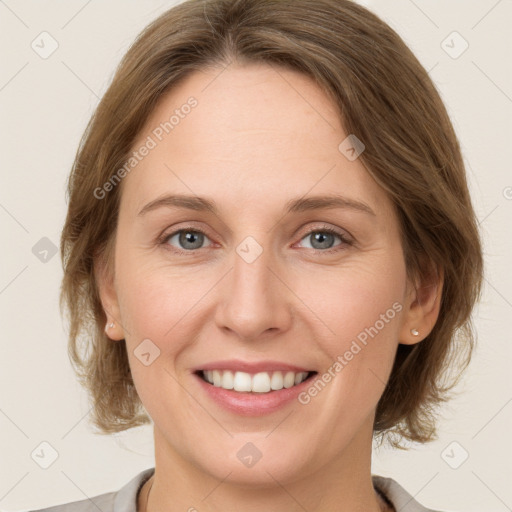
{"x": 251, "y": 367}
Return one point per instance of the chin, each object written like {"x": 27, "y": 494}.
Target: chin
{"x": 256, "y": 461}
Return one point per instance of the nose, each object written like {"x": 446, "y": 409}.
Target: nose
{"x": 256, "y": 300}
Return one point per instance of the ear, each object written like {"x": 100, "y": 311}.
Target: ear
{"x": 104, "y": 276}
{"x": 422, "y": 306}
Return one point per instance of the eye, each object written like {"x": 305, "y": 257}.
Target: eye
{"x": 186, "y": 239}
{"x": 322, "y": 239}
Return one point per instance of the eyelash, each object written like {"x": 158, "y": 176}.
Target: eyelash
{"x": 324, "y": 229}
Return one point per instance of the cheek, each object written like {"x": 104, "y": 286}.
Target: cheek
{"x": 152, "y": 297}
{"x": 359, "y": 309}
{"x": 155, "y": 315}
{"x": 159, "y": 304}
{"x": 362, "y": 308}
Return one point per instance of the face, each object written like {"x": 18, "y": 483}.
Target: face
{"x": 268, "y": 279}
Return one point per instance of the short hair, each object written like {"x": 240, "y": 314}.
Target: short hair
{"x": 384, "y": 97}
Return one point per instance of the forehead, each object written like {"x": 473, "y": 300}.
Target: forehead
{"x": 254, "y": 131}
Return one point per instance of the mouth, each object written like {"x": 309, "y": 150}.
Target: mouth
{"x": 252, "y": 388}
{"x": 265, "y": 382}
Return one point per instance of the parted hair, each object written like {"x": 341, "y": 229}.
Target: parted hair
{"x": 383, "y": 95}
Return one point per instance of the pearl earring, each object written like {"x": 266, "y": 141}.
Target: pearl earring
{"x": 109, "y": 326}
{"x": 415, "y": 332}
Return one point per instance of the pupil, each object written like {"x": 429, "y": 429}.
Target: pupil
{"x": 321, "y": 237}
{"x": 191, "y": 237}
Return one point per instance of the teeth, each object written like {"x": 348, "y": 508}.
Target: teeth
{"x": 242, "y": 382}
{"x": 262, "y": 382}
{"x": 228, "y": 380}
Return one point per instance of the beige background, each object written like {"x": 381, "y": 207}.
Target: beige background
{"x": 45, "y": 104}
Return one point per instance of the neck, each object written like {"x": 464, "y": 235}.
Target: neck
{"x": 342, "y": 485}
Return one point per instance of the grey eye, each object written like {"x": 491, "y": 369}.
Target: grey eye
{"x": 188, "y": 239}
{"x": 321, "y": 239}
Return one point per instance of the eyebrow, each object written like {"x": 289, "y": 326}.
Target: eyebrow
{"x": 303, "y": 204}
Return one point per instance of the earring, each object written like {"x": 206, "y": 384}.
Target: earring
{"x": 109, "y": 326}
{"x": 415, "y": 332}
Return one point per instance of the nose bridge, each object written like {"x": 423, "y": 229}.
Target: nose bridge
{"x": 254, "y": 300}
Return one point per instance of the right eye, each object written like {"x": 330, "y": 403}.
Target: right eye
{"x": 185, "y": 240}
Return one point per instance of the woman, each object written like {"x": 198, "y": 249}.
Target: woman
{"x": 269, "y": 249}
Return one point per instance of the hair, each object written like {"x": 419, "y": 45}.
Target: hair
{"x": 384, "y": 96}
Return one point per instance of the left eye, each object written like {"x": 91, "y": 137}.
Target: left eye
{"x": 322, "y": 239}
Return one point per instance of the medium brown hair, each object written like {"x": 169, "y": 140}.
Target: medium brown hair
{"x": 384, "y": 96}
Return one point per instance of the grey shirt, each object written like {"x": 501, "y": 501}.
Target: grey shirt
{"x": 125, "y": 500}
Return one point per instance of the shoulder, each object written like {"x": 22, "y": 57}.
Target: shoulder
{"x": 103, "y": 502}
{"x": 123, "y": 500}
{"x": 398, "y": 496}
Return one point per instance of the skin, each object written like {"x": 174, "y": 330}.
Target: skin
{"x": 259, "y": 137}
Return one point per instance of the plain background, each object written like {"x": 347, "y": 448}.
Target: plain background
{"x": 45, "y": 105}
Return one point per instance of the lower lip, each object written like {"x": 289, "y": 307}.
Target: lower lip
{"x": 252, "y": 404}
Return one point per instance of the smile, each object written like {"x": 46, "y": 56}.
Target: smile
{"x": 261, "y": 382}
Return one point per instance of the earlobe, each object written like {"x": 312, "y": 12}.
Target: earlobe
{"x": 423, "y": 306}
{"x": 105, "y": 283}
{"x": 110, "y": 325}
